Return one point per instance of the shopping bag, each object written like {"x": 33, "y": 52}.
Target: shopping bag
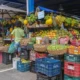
{"x": 12, "y": 48}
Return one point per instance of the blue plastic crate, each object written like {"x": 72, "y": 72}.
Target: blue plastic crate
{"x": 23, "y": 67}
{"x": 48, "y": 66}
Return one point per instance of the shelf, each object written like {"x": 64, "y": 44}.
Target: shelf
{"x": 40, "y": 27}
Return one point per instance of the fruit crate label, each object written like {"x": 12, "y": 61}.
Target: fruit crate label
{"x": 71, "y": 67}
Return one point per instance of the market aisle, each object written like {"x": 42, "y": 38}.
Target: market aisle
{"x": 16, "y": 75}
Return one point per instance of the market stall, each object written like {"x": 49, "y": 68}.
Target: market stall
{"x": 52, "y": 36}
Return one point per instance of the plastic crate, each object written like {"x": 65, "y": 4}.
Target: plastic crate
{"x": 34, "y": 55}
{"x": 24, "y": 53}
{"x": 44, "y": 77}
{"x": 0, "y": 57}
{"x": 72, "y": 58}
{"x": 71, "y": 78}
{"x": 23, "y": 67}
{"x": 48, "y": 66}
{"x": 32, "y": 67}
{"x": 7, "y": 58}
{"x": 41, "y": 55}
{"x": 72, "y": 69}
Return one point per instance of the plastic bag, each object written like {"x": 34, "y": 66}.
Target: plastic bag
{"x": 12, "y": 48}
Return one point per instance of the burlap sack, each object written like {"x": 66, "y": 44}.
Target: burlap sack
{"x": 24, "y": 41}
{"x": 4, "y": 48}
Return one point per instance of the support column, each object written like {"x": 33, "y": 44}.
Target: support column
{"x": 29, "y": 6}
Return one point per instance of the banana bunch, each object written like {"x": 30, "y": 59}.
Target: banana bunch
{"x": 47, "y": 17}
{"x": 21, "y": 19}
{"x": 24, "y": 61}
{"x": 32, "y": 18}
{"x": 74, "y": 22}
{"x": 68, "y": 21}
{"x": 60, "y": 19}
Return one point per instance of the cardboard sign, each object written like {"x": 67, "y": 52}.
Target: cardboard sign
{"x": 41, "y": 15}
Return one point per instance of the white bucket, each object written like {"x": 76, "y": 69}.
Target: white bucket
{"x": 15, "y": 60}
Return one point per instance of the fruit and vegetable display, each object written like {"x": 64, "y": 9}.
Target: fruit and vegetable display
{"x": 52, "y": 33}
{"x": 57, "y": 47}
{"x": 48, "y": 21}
{"x": 74, "y": 50}
{"x": 46, "y": 34}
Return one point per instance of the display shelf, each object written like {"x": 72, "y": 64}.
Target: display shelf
{"x": 39, "y": 28}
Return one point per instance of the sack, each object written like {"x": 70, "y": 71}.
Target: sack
{"x": 12, "y": 48}
{"x": 24, "y": 42}
{"x": 4, "y": 48}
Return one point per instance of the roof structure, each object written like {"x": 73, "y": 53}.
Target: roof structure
{"x": 69, "y": 6}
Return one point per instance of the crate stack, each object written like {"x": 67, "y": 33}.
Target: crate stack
{"x": 23, "y": 64}
{"x": 72, "y": 65}
{"x": 33, "y": 56}
{"x": 48, "y": 68}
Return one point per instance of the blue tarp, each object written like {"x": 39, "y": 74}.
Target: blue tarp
{"x": 47, "y": 10}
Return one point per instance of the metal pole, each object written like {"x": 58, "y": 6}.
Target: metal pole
{"x": 27, "y": 7}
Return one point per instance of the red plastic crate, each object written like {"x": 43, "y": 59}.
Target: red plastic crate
{"x": 40, "y": 55}
{"x": 0, "y": 57}
{"x": 72, "y": 69}
{"x": 34, "y": 55}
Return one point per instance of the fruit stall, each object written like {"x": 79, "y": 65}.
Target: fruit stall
{"x": 58, "y": 37}
{"x": 51, "y": 47}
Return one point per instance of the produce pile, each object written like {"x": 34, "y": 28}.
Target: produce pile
{"x": 74, "y": 50}
{"x": 48, "y": 21}
{"x": 52, "y": 33}
{"x": 57, "y": 47}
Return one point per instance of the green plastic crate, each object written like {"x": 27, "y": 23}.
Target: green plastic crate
{"x": 71, "y": 78}
{"x": 72, "y": 58}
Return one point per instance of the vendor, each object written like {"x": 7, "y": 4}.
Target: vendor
{"x": 18, "y": 32}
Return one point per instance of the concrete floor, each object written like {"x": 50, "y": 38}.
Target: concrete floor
{"x": 3, "y": 66}
{"x": 14, "y": 74}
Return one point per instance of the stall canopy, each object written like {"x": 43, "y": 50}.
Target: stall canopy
{"x": 4, "y": 7}
{"x": 6, "y": 11}
{"x": 47, "y": 10}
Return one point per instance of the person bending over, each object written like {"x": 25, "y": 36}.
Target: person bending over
{"x": 18, "y": 34}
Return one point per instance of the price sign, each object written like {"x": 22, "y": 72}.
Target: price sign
{"x": 41, "y": 15}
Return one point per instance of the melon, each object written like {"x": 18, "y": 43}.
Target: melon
{"x": 25, "y": 22}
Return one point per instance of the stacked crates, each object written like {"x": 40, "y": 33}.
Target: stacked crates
{"x": 48, "y": 66}
{"x": 72, "y": 67}
{"x": 7, "y": 58}
{"x": 24, "y": 54}
{"x": 33, "y": 56}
